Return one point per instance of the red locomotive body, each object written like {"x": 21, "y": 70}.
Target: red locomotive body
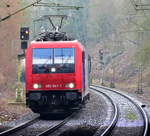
{"x": 57, "y": 75}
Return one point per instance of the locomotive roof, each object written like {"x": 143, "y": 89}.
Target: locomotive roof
{"x": 38, "y": 44}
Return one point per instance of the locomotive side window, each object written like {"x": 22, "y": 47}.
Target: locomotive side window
{"x": 53, "y": 60}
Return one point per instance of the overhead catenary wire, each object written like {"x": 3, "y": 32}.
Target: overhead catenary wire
{"x": 142, "y": 28}
{"x": 14, "y": 13}
{"x": 141, "y": 8}
{"x": 141, "y": 4}
{"x": 146, "y": 17}
{"x": 120, "y": 32}
{"x": 134, "y": 22}
{"x": 134, "y": 4}
{"x": 6, "y": 5}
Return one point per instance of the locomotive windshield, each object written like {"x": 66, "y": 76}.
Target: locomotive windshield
{"x": 52, "y": 60}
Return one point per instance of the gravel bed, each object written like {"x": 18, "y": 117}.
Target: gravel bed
{"x": 138, "y": 98}
{"x": 36, "y": 128}
{"x": 130, "y": 120}
{"x": 144, "y": 103}
{"x": 19, "y": 121}
{"x": 96, "y": 114}
{"x": 92, "y": 117}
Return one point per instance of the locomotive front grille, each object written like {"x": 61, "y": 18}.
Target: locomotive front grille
{"x": 58, "y": 98}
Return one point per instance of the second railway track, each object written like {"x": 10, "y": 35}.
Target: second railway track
{"x": 114, "y": 117}
{"x": 132, "y": 120}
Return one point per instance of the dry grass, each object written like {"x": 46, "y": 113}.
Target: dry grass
{"x": 9, "y": 30}
{"x": 10, "y": 112}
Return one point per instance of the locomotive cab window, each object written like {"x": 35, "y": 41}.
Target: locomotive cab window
{"x": 53, "y": 60}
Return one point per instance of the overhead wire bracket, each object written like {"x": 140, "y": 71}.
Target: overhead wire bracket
{"x": 58, "y": 6}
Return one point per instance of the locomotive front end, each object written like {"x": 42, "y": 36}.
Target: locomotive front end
{"x": 53, "y": 76}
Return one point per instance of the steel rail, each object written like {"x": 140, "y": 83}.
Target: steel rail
{"x": 143, "y": 113}
{"x": 19, "y": 127}
{"x": 113, "y": 123}
{"x": 57, "y": 126}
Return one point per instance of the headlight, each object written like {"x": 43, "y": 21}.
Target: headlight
{"x": 53, "y": 69}
{"x": 36, "y": 86}
{"x": 70, "y": 85}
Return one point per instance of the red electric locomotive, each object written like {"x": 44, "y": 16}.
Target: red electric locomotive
{"x": 57, "y": 75}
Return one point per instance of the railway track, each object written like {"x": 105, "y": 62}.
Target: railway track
{"x": 28, "y": 128}
{"x": 55, "y": 127}
{"x": 114, "y": 119}
{"x": 19, "y": 127}
{"x": 125, "y": 122}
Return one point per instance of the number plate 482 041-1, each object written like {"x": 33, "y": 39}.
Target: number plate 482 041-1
{"x": 54, "y": 86}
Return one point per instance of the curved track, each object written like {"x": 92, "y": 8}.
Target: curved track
{"x": 26, "y": 127}
{"x": 19, "y": 127}
{"x": 112, "y": 124}
{"x": 128, "y": 102}
{"x": 55, "y": 127}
